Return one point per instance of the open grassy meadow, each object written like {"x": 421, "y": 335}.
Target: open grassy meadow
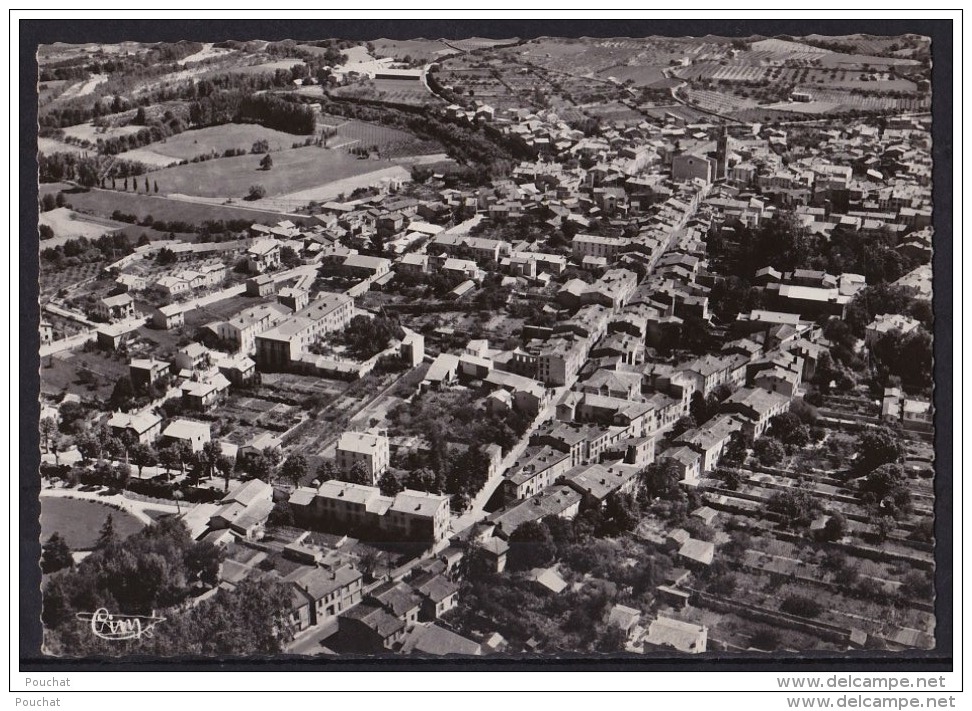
{"x": 206, "y": 141}
{"x": 293, "y": 170}
{"x": 79, "y": 521}
{"x": 419, "y": 50}
{"x": 68, "y": 224}
{"x": 105, "y": 202}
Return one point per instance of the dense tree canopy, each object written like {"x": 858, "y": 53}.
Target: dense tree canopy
{"x": 795, "y": 507}
{"x": 887, "y": 488}
{"x": 877, "y": 446}
{"x": 531, "y": 546}
{"x": 660, "y": 480}
{"x": 55, "y": 554}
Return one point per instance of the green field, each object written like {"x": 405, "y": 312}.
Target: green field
{"x": 104, "y": 202}
{"x": 391, "y": 142}
{"x": 425, "y": 50}
{"x": 639, "y": 75}
{"x": 79, "y": 521}
{"x": 67, "y": 224}
{"x": 293, "y": 170}
{"x": 204, "y": 141}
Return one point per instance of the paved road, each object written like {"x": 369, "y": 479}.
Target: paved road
{"x": 132, "y": 506}
{"x": 66, "y": 344}
{"x": 310, "y": 641}
{"x": 73, "y": 315}
{"x": 476, "y": 512}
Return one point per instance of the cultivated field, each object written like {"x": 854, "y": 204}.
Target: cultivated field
{"x": 206, "y": 141}
{"x": 48, "y": 91}
{"x": 264, "y": 68}
{"x": 207, "y": 52}
{"x": 684, "y": 113}
{"x": 868, "y": 103}
{"x": 87, "y": 375}
{"x": 90, "y": 132}
{"x": 404, "y": 91}
{"x": 391, "y": 142}
{"x": 51, "y": 146}
{"x": 68, "y": 224}
{"x": 293, "y": 201}
{"x": 293, "y": 170}
{"x": 717, "y": 101}
{"x": 871, "y": 44}
{"x": 638, "y": 74}
{"x": 52, "y": 280}
{"x": 392, "y": 91}
{"x": 85, "y": 87}
{"x": 471, "y": 44}
{"x": 105, "y": 202}
{"x": 418, "y": 49}
{"x": 614, "y": 112}
{"x": 149, "y": 158}
{"x": 857, "y": 61}
{"x": 804, "y": 107}
{"x": 222, "y": 310}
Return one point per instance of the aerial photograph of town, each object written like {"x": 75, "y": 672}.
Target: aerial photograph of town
{"x": 487, "y": 347}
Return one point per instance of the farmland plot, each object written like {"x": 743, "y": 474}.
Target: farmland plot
{"x": 68, "y": 224}
{"x": 740, "y": 73}
{"x": 717, "y": 101}
{"x": 420, "y": 50}
{"x": 91, "y": 133}
{"x": 50, "y": 146}
{"x": 206, "y": 141}
{"x": 293, "y": 169}
{"x": 105, "y": 202}
{"x": 640, "y": 75}
{"x": 84, "y": 88}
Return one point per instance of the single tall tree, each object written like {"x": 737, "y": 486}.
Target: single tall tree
{"x": 143, "y": 455}
{"x": 107, "y": 535}
{"x": 55, "y": 554}
{"x": 294, "y": 468}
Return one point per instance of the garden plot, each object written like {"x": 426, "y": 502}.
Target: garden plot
{"x": 243, "y": 417}
{"x": 53, "y": 280}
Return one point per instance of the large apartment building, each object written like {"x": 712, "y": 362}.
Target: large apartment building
{"x": 278, "y": 348}
{"x": 342, "y": 507}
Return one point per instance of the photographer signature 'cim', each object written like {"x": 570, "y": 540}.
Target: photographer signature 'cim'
{"x": 119, "y": 626}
